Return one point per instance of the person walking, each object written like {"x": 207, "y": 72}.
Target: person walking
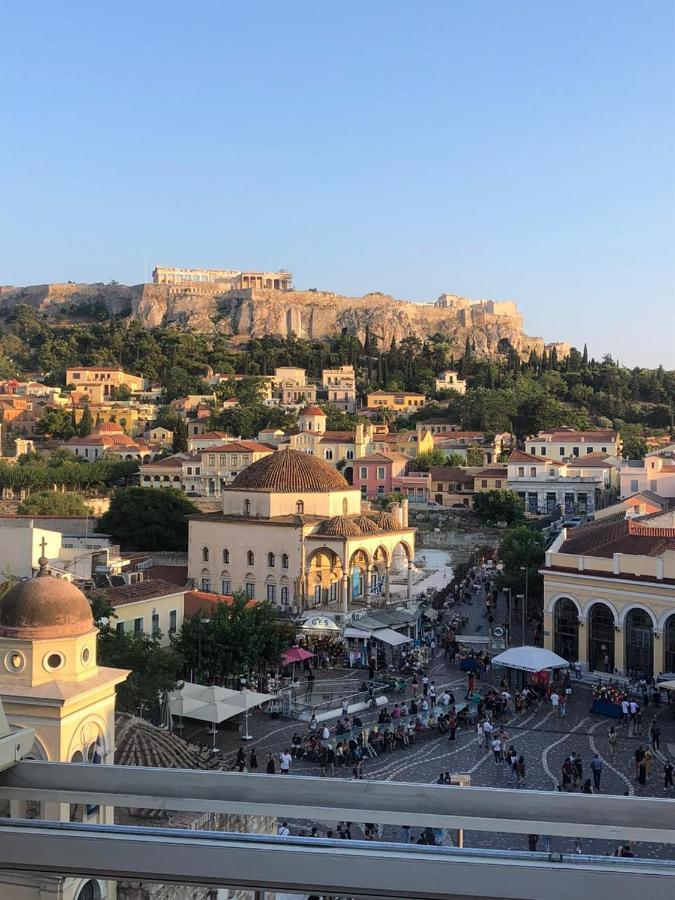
{"x": 253, "y": 761}
{"x": 283, "y": 830}
{"x": 655, "y": 734}
{"x": 487, "y": 733}
{"x": 578, "y": 770}
{"x": 596, "y": 771}
{"x": 479, "y": 732}
{"x": 497, "y": 750}
{"x": 555, "y": 702}
{"x": 241, "y": 759}
{"x": 520, "y": 766}
{"x": 612, "y": 737}
{"x": 648, "y": 760}
{"x": 567, "y": 773}
{"x": 432, "y": 693}
{"x": 425, "y": 685}
{"x": 577, "y": 669}
{"x": 668, "y": 776}
{"x": 285, "y": 760}
{"x": 625, "y": 711}
{"x": 270, "y": 768}
{"x": 639, "y": 756}
{"x": 532, "y": 841}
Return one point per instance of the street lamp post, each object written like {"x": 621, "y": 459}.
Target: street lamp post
{"x": 245, "y": 736}
{"x": 526, "y": 570}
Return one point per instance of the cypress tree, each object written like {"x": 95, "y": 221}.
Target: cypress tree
{"x": 86, "y": 422}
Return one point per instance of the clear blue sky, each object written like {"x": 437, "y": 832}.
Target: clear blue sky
{"x": 518, "y": 150}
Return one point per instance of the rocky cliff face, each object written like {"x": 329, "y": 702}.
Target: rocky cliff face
{"x": 257, "y": 312}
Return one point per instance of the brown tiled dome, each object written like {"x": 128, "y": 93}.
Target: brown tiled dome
{"x": 290, "y": 472}
{"x": 312, "y": 410}
{"x": 386, "y": 522}
{"x": 366, "y": 525}
{"x": 339, "y": 526}
{"x": 44, "y": 607}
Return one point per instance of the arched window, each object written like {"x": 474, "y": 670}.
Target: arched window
{"x": 345, "y": 507}
{"x": 300, "y": 507}
{"x": 284, "y": 596}
{"x": 284, "y": 560}
{"x": 250, "y": 558}
{"x": 226, "y": 556}
{"x": 205, "y": 554}
{"x": 247, "y": 507}
{"x": 271, "y": 560}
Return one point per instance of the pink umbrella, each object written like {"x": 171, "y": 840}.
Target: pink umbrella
{"x": 295, "y": 655}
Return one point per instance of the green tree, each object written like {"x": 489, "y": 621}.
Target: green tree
{"x": 474, "y": 456}
{"x": 239, "y": 638}
{"x": 498, "y": 506}
{"x": 424, "y": 461}
{"x": 180, "y": 436}
{"x": 521, "y": 551}
{"x": 56, "y": 423}
{"x": 147, "y": 519}
{"x": 53, "y": 503}
{"x": 86, "y": 422}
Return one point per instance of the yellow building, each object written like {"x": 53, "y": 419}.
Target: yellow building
{"x": 100, "y": 382}
{"x": 609, "y": 594}
{"x": 491, "y": 479}
{"x": 153, "y": 607}
{"x": 397, "y": 401}
{"x": 292, "y": 532}
{"x": 50, "y": 681}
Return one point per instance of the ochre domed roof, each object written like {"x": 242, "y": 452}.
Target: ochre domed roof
{"x": 290, "y": 472}
{"x": 386, "y": 522}
{"x": 339, "y": 526}
{"x": 312, "y": 410}
{"x": 366, "y": 525}
{"x": 43, "y": 608}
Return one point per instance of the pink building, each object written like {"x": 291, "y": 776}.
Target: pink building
{"x": 374, "y": 475}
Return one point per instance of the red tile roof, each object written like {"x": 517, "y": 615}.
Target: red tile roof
{"x": 236, "y": 447}
{"x": 143, "y": 590}
{"x": 521, "y": 456}
{"x": 197, "y": 602}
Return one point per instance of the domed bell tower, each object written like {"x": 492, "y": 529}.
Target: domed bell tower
{"x": 50, "y": 681}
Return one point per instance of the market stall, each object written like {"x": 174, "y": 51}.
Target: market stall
{"x": 473, "y": 651}
{"x": 607, "y": 700}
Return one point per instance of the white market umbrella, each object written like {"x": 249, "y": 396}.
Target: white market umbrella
{"x": 529, "y": 659}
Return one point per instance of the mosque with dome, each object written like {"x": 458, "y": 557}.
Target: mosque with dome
{"x": 292, "y": 531}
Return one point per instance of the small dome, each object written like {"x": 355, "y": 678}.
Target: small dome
{"x": 386, "y": 522}
{"x": 366, "y": 525}
{"x": 290, "y": 472}
{"x": 45, "y": 607}
{"x": 110, "y": 428}
{"x": 339, "y": 526}
{"x": 312, "y": 410}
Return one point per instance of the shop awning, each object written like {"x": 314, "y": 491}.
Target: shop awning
{"x": 430, "y": 614}
{"x": 357, "y": 633}
{"x": 472, "y": 639}
{"x": 391, "y": 637}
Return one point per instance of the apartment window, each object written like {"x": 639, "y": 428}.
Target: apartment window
{"x": 439, "y": 486}
{"x": 247, "y": 507}
{"x": 575, "y": 451}
{"x": 119, "y": 628}
{"x": 551, "y": 472}
{"x": 364, "y": 491}
{"x": 589, "y": 449}
{"x": 363, "y": 471}
{"x": 76, "y": 376}
{"x": 543, "y": 451}
{"x": 197, "y": 470}
{"x": 483, "y": 483}
{"x": 173, "y": 621}
{"x": 189, "y": 470}
{"x": 223, "y": 459}
{"x": 380, "y": 473}
{"x": 380, "y": 489}
{"x": 155, "y": 624}
{"x": 250, "y": 558}
{"x": 634, "y": 487}
{"x": 327, "y": 454}
{"x": 604, "y": 449}
{"x": 205, "y": 554}
{"x": 350, "y": 454}
{"x": 272, "y": 593}
{"x": 284, "y": 560}
{"x": 521, "y": 471}
{"x": 244, "y": 459}
{"x": 226, "y": 556}
{"x": 206, "y": 584}
{"x": 284, "y": 596}
{"x": 212, "y": 459}
{"x": 271, "y": 560}
{"x": 225, "y": 586}
{"x": 138, "y": 626}
{"x": 300, "y": 507}
{"x": 498, "y": 483}
{"x": 562, "y": 451}
{"x": 533, "y": 471}
{"x": 249, "y": 588}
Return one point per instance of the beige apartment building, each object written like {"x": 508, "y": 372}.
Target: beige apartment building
{"x": 398, "y": 401}
{"x": 450, "y": 381}
{"x": 340, "y": 387}
{"x": 233, "y": 279}
{"x": 566, "y": 443}
{"x": 98, "y": 383}
{"x": 609, "y": 594}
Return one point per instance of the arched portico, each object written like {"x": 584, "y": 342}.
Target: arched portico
{"x": 639, "y": 642}
{"x": 601, "y": 635}
{"x": 566, "y": 629}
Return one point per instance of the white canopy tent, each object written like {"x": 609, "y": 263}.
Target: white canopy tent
{"x": 529, "y": 659}
{"x": 666, "y": 685}
{"x": 391, "y": 637}
{"x": 214, "y": 704}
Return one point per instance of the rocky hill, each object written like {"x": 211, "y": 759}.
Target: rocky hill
{"x": 311, "y": 314}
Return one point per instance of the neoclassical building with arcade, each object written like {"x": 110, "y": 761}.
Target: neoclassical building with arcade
{"x": 292, "y": 531}
{"x": 609, "y": 594}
